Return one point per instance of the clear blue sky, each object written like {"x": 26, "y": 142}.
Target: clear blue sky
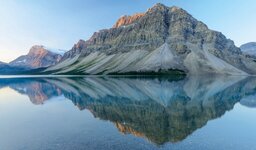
{"x": 61, "y": 23}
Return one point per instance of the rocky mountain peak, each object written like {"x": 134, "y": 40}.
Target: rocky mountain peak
{"x": 162, "y": 38}
{"x": 161, "y": 7}
{"x": 158, "y": 6}
{"x": 76, "y": 49}
{"x": 157, "y": 9}
{"x": 38, "y": 56}
{"x": 42, "y": 50}
{"x": 175, "y": 8}
{"x": 126, "y": 20}
{"x": 79, "y": 44}
{"x": 37, "y": 50}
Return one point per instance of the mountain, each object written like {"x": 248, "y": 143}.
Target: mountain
{"x": 161, "y": 40}
{"x": 2, "y": 63}
{"x": 38, "y": 57}
{"x": 3, "y": 66}
{"x": 249, "y": 48}
{"x": 7, "y": 69}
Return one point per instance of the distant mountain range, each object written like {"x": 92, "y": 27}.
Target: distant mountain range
{"x": 38, "y": 57}
{"x": 163, "y": 40}
{"x": 249, "y": 48}
{"x": 2, "y": 63}
{"x": 6, "y": 69}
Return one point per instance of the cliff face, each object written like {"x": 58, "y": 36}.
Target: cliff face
{"x": 37, "y": 57}
{"x": 159, "y": 40}
{"x": 126, "y": 20}
{"x": 76, "y": 50}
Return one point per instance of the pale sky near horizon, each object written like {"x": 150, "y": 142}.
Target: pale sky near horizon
{"x": 61, "y": 23}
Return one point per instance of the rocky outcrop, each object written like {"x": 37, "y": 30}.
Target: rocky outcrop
{"x": 162, "y": 39}
{"x": 75, "y": 51}
{"x": 127, "y": 20}
{"x": 38, "y": 57}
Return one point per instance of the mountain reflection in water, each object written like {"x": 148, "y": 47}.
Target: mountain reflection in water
{"x": 159, "y": 109}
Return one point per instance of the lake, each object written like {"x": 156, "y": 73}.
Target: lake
{"x": 84, "y": 113}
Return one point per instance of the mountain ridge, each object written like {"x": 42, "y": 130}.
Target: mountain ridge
{"x": 162, "y": 40}
{"x": 2, "y": 63}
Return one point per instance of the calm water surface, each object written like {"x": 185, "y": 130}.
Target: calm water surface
{"x": 128, "y": 113}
